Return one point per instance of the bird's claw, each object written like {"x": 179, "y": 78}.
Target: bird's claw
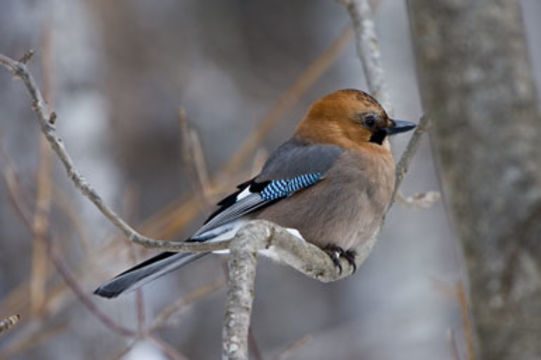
{"x": 336, "y": 252}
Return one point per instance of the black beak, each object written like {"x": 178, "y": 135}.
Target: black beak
{"x": 400, "y": 126}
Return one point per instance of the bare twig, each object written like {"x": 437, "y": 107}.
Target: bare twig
{"x": 170, "y": 220}
{"x": 8, "y": 323}
{"x": 67, "y": 276}
{"x": 43, "y": 114}
{"x": 44, "y": 188}
{"x": 367, "y": 47}
{"x": 34, "y": 334}
{"x": 404, "y": 163}
{"x": 419, "y": 200}
{"x": 262, "y": 235}
{"x": 288, "y": 352}
{"x": 462, "y": 298}
{"x": 27, "y": 56}
{"x": 170, "y": 352}
{"x": 63, "y": 203}
{"x": 125, "y": 351}
{"x": 184, "y": 302}
{"x": 57, "y": 260}
{"x": 252, "y": 344}
{"x": 175, "y": 216}
{"x": 130, "y": 213}
{"x": 260, "y": 158}
{"x": 454, "y": 346}
{"x": 458, "y": 292}
{"x": 193, "y": 155}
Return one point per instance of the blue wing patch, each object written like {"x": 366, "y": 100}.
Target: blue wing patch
{"x": 294, "y": 166}
{"x": 277, "y": 189}
{"x": 257, "y": 196}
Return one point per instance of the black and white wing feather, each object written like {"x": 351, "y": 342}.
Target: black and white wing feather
{"x": 292, "y": 167}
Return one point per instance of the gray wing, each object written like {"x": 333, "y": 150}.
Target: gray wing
{"x": 291, "y": 167}
{"x": 294, "y": 158}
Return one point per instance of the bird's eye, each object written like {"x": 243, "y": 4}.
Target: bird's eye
{"x": 370, "y": 121}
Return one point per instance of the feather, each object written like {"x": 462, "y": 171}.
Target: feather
{"x": 292, "y": 167}
{"x": 144, "y": 272}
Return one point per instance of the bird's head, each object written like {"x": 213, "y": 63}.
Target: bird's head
{"x": 349, "y": 117}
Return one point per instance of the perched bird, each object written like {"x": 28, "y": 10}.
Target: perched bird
{"x": 331, "y": 183}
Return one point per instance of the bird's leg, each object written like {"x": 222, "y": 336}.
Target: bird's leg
{"x": 350, "y": 255}
{"x": 336, "y": 252}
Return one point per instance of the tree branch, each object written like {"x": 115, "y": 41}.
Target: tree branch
{"x": 46, "y": 120}
{"x": 8, "y": 323}
{"x": 366, "y": 43}
{"x": 405, "y": 160}
{"x": 367, "y": 47}
{"x": 254, "y": 237}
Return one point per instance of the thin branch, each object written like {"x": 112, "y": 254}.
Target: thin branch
{"x": 67, "y": 276}
{"x": 454, "y": 345}
{"x": 184, "y": 302}
{"x": 404, "y": 163}
{"x": 462, "y": 298}
{"x": 419, "y": 200}
{"x": 18, "y": 201}
{"x": 367, "y": 47}
{"x": 8, "y": 323}
{"x": 130, "y": 210}
{"x": 33, "y": 334}
{"x": 125, "y": 351}
{"x": 290, "y": 350}
{"x": 193, "y": 156}
{"x": 44, "y": 188}
{"x": 366, "y": 43}
{"x": 252, "y": 344}
{"x": 169, "y": 351}
{"x": 48, "y": 129}
{"x": 175, "y": 216}
{"x": 63, "y": 203}
{"x": 27, "y": 56}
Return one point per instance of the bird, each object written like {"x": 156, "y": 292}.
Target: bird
{"x": 331, "y": 184}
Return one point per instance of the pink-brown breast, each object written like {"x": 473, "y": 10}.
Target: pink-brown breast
{"x": 347, "y": 206}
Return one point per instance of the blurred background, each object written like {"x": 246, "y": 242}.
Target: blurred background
{"x": 154, "y": 100}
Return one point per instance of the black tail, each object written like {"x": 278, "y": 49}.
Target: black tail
{"x": 144, "y": 272}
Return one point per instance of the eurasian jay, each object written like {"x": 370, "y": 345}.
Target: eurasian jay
{"x": 331, "y": 183}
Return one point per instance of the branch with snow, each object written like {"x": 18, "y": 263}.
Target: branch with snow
{"x": 248, "y": 242}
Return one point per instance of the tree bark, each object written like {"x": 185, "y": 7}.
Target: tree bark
{"x": 477, "y": 85}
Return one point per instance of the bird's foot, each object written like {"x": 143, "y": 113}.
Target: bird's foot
{"x": 336, "y": 252}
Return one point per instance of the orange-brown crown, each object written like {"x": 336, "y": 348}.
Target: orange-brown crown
{"x": 347, "y": 118}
